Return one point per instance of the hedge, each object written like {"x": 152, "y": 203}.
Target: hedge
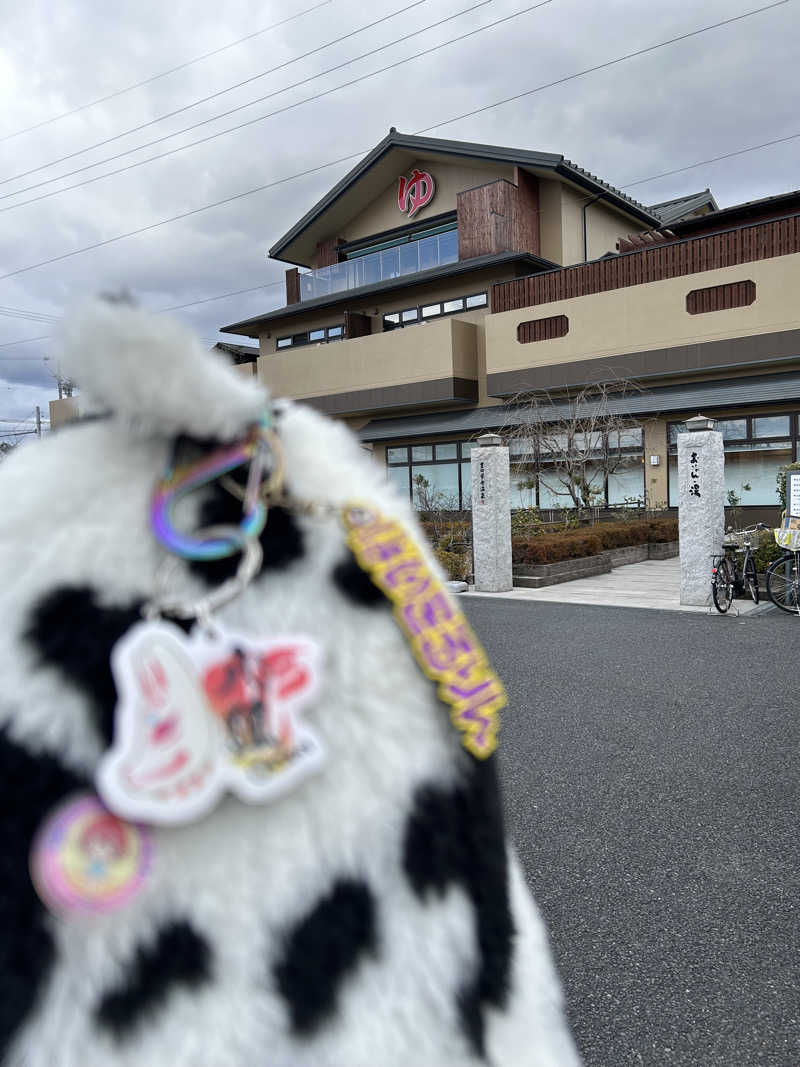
{"x": 592, "y": 540}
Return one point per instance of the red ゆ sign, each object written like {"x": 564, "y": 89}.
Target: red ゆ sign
{"x": 415, "y": 192}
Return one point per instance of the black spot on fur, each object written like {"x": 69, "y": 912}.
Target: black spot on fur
{"x": 72, "y": 631}
{"x": 320, "y": 951}
{"x": 356, "y": 584}
{"x": 457, "y": 837}
{"x": 281, "y": 539}
{"x": 177, "y": 956}
{"x": 30, "y": 786}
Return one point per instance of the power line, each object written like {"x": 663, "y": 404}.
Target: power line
{"x": 317, "y": 169}
{"x": 604, "y": 66}
{"x": 163, "y": 74}
{"x": 31, "y": 316}
{"x": 206, "y": 99}
{"x": 714, "y": 159}
{"x": 261, "y": 99}
{"x": 271, "y": 285}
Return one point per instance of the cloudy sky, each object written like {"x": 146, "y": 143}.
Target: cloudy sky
{"x": 727, "y": 89}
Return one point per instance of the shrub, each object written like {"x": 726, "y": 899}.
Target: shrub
{"x": 591, "y": 540}
{"x": 456, "y": 565}
{"x": 768, "y": 552}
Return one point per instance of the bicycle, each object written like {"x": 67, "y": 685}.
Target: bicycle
{"x": 727, "y": 580}
{"x": 783, "y": 575}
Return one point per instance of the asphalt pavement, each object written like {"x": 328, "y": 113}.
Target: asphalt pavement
{"x": 649, "y": 764}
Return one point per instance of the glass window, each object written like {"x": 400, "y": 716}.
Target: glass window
{"x": 316, "y": 335}
{"x": 466, "y": 486}
{"x": 393, "y": 318}
{"x": 422, "y": 452}
{"x": 430, "y": 310}
{"x": 446, "y": 451}
{"x": 411, "y": 315}
{"x": 448, "y": 246}
{"x": 477, "y": 301}
{"x": 523, "y": 488}
{"x": 284, "y": 342}
{"x": 732, "y": 429}
{"x": 771, "y": 426}
{"x": 435, "y": 486}
{"x": 399, "y": 476}
{"x": 428, "y": 252}
{"x": 625, "y": 439}
{"x": 453, "y": 305}
{"x": 626, "y": 483}
{"x": 397, "y": 455}
{"x": 409, "y": 258}
{"x": 390, "y": 263}
{"x": 335, "y": 331}
{"x": 467, "y": 447}
{"x": 756, "y": 468}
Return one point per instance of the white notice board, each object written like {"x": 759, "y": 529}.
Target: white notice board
{"x": 793, "y": 494}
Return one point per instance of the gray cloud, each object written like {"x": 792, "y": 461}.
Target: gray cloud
{"x": 696, "y": 99}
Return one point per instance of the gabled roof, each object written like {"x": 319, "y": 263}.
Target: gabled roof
{"x": 414, "y": 146}
{"x": 669, "y": 211}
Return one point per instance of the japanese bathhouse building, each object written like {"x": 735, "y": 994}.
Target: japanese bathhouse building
{"x": 439, "y": 280}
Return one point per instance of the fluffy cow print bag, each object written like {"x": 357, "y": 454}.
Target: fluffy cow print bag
{"x": 250, "y": 810}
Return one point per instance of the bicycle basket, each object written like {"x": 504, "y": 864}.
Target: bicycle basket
{"x": 788, "y": 539}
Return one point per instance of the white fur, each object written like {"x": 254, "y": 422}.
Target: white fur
{"x": 244, "y": 874}
{"x": 153, "y": 371}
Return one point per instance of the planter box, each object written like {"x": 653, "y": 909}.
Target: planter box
{"x": 664, "y": 550}
{"x": 539, "y": 575}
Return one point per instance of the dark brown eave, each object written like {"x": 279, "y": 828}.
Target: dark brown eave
{"x": 251, "y": 327}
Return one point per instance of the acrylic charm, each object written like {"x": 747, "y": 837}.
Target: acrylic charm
{"x": 85, "y": 860}
{"x": 201, "y": 715}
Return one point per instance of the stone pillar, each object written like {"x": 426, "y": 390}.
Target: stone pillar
{"x": 701, "y": 511}
{"x": 491, "y": 515}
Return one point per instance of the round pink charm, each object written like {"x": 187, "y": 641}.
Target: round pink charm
{"x": 86, "y": 860}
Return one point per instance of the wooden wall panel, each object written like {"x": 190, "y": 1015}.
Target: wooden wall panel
{"x": 677, "y": 259}
{"x": 542, "y": 329}
{"x": 292, "y": 286}
{"x": 721, "y": 297}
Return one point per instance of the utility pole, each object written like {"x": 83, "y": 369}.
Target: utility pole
{"x": 38, "y": 421}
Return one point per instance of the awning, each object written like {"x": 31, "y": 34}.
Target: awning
{"x": 694, "y": 396}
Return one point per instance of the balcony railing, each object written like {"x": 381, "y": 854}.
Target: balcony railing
{"x": 388, "y": 263}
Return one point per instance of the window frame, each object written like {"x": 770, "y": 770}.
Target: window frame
{"x": 440, "y": 314}
{"x": 303, "y": 339}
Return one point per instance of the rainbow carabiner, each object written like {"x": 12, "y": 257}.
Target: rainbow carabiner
{"x": 178, "y": 481}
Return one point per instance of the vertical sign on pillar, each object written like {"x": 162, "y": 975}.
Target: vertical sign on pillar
{"x": 491, "y": 515}
{"x": 793, "y": 494}
{"x": 701, "y": 510}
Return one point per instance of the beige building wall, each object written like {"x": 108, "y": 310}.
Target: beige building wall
{"x": 651, "y": 316}
{"x": 64, "y": 410}
{"x": 433, "y": 350}
{"x": 551, "y": 240}
{"x": 383, "y": 213}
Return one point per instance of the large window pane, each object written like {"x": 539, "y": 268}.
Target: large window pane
{"x": 466, "y": 485}
{"x": 448, "y": 247}
{"x": 627, "y": 482}
{"x": 731, "y": 429}
{"x": 397, "y": 455}
{"x": 523, "y": 489}
{"x": 771, "y": 426}
{"x": 398, "y": 476}
{"x": 435, "y": 486}
{"x": 758, "y": 468}
{"x": 422, "y": 452}
{"x": 409, "y": 258}
{"x": 447, "y": 451}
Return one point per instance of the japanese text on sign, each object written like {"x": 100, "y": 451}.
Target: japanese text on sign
{"x": 440, "y": 637}
{"x": 694, "y": 475}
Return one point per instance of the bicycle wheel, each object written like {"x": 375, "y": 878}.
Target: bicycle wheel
{"x": 722, "y": 586}
{"x": 783, "y": 583}
{"x": 750, "y": 578}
